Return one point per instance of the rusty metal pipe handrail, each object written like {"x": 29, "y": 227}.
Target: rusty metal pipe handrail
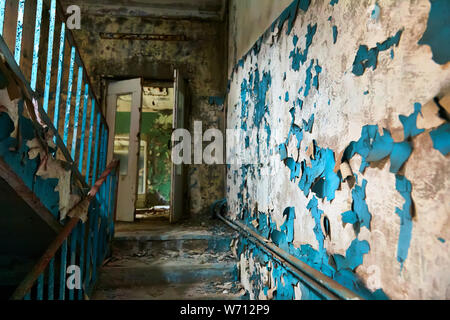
{"x": 26, "y": 285}
{"x": 316, "y": 280}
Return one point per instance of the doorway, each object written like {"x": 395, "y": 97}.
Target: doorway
{"x": 141, "y": 116}
{"x": 154, "y": 175}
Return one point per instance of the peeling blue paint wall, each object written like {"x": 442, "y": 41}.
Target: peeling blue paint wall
{"x": 345, "y": 96}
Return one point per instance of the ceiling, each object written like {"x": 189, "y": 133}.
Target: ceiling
{"x": 169, "y": 9}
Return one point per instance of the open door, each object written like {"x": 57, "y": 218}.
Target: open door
{"x": 177, "y": 203}
{"x": 123, "y": 114}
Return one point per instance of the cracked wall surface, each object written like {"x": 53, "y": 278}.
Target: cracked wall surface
{"x": 201, "y": 59}
{"x": 343, "y": 148}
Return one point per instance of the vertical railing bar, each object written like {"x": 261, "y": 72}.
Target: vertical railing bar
{"x": 99, "y": 250}
{"x": 40, "y": 287}
{"x": 95, "y": 245}
{"x": 51, "y": 38}
{"x": 101, "y": 195}
{"x": 108, "y": 211}
{"x": 62, "y": 271}
{"x": 111, "y": 204}
{"x": 51, "y": 279}
{"x": 116, "y": 195}
{"x": 105, "y": 145}
{"x": 73, "y": 256}
{"x": 19, "y": 31}
{"x": 82, "y": 231}
{"x": 91, "y": 136}
{"x": 27, "y": 296}
{"x": 37, "y": 38}
{"x": 88, "y": 269}
{"x": 83, "y": 127}
{"x": 60, "y": 75}
{"x": 113, "y": 213}
{"x": 103, "y": 218}
{"x": 71, "y": 41}
{"x": 69, "y": 98}
{"x": 77, "y": 112}
{"x": 97, "y": 138}
{"x": 2, "y": 15}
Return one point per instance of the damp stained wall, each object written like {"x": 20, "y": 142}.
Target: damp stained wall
{"x": 248, "y": 20}
{"x": 201, "y": 59}
{"x": 344, "y": 81}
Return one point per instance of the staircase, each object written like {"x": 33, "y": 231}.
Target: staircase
{"x": 154, "y": 260}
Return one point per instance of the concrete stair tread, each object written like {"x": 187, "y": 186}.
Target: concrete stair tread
{"x": 190, "y": 258}
{"x": 174, "y": 291}
{"x": 168, "y": 235}
{"x": 168, "y": 264}
{"x": 131, "y": 273}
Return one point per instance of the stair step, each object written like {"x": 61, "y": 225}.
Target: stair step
{"x": 178, "y": 291}
{"x": 156, "y": 261}
{"x": 157, "y": 242}
{"x": 165, "y": 273}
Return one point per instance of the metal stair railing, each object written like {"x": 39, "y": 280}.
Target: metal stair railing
{"x": 79, "y": 249}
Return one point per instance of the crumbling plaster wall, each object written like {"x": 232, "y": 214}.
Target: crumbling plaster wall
{"x": 201, "y": 58}
{"x": 301, "y": 95}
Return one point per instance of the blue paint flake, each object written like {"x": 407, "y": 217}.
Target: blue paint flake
{"x": 320, "y": 178}
{"x": 286, "y": 96}
{"x": 437, "y": 34}
{"x": 400, "y": 154}
{"x": 308, "y": 79}
{"x": 359, "y": 216}
{"x": 260, "y": 88}
{"x": 290, "y": 14}
{"x": 317, "y": 215}
{"x": 441, "y": 240}
{"x": 318, "y": 70}
{"x": 296, "y": 54}
{"x": 335, "y": 34}
{"x": 371, "y": 146}
{"x": 410, "y": 122}
{"x": 366, "y": 58}
{"x": 333, "y": 2}
{"x": 404, "y": 187}
{"x": 294, "y": 167}
{"x": 268, "y": 132}
{"x": 288, "y": 226}
{"x": 375, "y": 15}
{"x": 355, "y": 253}
{"x": 381, "y": 147}
{"x": 244, "y": 104}
{"x": 307, "y": 126}
{"x": 441, "y": 138}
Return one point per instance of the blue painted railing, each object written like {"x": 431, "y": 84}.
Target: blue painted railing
{"x": 78, "y": 250}
{"x": 57, "y": 79}
{"x": 67, "y": 107}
